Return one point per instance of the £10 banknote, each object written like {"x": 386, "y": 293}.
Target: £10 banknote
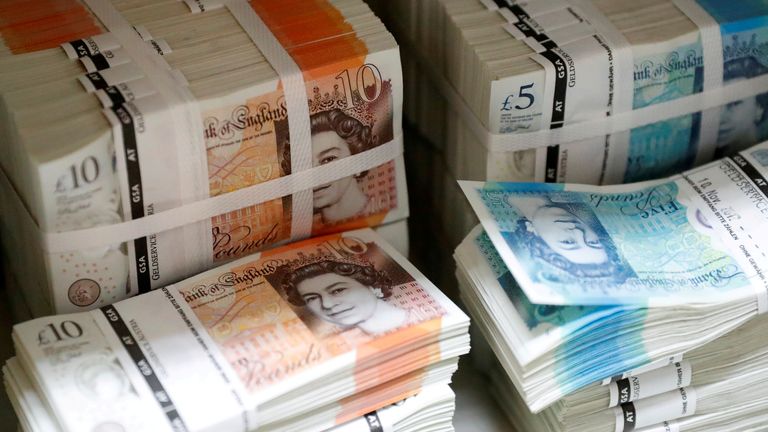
{"x": 340, "y": 323}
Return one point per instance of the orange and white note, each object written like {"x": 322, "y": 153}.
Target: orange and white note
{"x": 328, "y": 328}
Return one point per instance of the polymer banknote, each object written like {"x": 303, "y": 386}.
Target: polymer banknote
{"x": 354, "y": 101}
{"x": 662, "y": 72}
{"x": 570, "y": 36}
{"x": 693, "y": 238}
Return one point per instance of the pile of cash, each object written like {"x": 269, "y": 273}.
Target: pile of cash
{"x": 706, "y": 380}
{"x": 153, "y": 110}
{"x": 520, "y": 67}
{"x": 302, "y": 337}
{"x": 204, "y": 213}
{"x": 482, "y": 88}
{"x": 729, "y": 369}
{"x": 431, "y": 409}
{"x": 146, "y": 141}
{"x": 657, "y": 286}
{"x": 34, "y": 26}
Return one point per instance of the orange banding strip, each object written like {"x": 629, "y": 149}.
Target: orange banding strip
{"x": 28, "y": 26}
{"x": 309, "y": 31}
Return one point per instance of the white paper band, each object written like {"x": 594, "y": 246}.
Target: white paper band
{"x": 712, "y": 54}
{"x": 711, "y": 41}
{"x": 160, "y": 46}
{"x": 667, "y": 426}
{"x": 108, "y": 77}
{"x": 667, "y": 406}
{"x": 532, "y": 7}
{"x": 192, "y": 169}
{"x": 127, "y": 91}
{"x": 623, "y": 60}
{"x": 111, "y": 58}
{"x": 123, "y": 324}
{"x": 292, "y": 79}
{"x": 762, "y": 302}
{"x": 214, "y": 206}
{"x": 143, "y": 33}
{"x": 90, "y": 46}
{"x": 189, "y": 140}
{"x": 652, "y": 366}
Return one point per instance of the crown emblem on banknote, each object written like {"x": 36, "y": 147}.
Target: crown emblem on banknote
{"x": 739, "y": 48}
{"x": 360, "y": 110}
{"x": 304, "y": 260}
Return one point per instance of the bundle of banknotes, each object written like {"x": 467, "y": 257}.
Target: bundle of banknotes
{"x": 130, "y": 109}
{"x": 307, "y": 336}
{"x": 479, "y": 69}
{"x": 573, "y": 284}
{"x": 430, "y": 409}
{"x": 474, "y": 84}
{"x": 732, "y": 368}
{"x": 729, "y": 396}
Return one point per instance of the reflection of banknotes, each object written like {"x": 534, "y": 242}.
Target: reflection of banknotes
{"x": 230, "y": 346}
{"x": 656, "y": 243}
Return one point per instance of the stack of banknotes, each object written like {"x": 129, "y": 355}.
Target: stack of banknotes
{"x": 523, "y": 66}
{"x": 573, "y": 284}
{"x": 307, "y": 336}
{"x": 478, "y": 74}
{"x": 733, "y": 368}
{"x": 127, "y": 109}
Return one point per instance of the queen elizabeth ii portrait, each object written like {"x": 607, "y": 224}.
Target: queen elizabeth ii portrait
{"x": 345, "y": 292}
{"x": 335, "y": 135}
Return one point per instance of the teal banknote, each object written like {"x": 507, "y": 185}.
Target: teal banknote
{"x": 612, "y": 334}
{"x": 693, "y": 238}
